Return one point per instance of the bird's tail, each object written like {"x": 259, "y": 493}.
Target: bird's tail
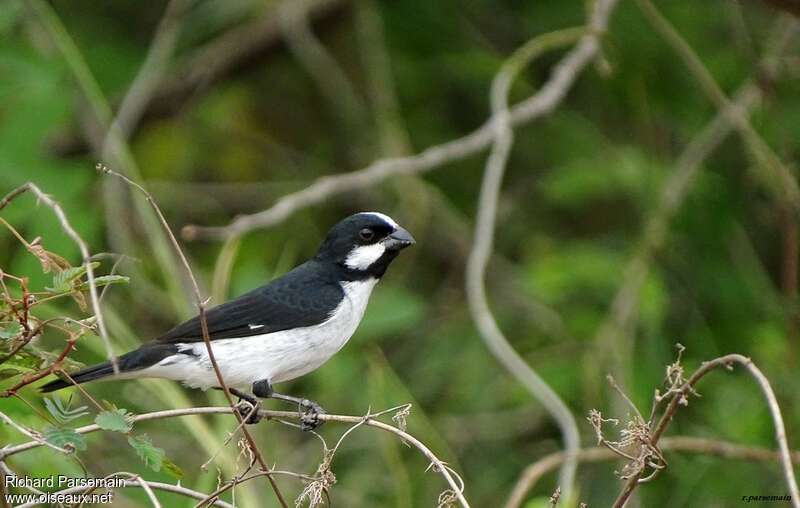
{"x": 141, "y": 358}
{"x": 88, "y": 374}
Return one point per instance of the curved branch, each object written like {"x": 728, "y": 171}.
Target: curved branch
{"x": 483, "y": 243}
{"x": 544, "y": 101}
{"x": 439, "y": 466}
{"x": 147, "y": 486}
{"x": 695, "y": 445}
{"x": 727, "y": 362}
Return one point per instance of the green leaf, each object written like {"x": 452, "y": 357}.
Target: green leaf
{"x": 9, "y": 330}
{"x": 62, "y": 281}
{"x": 152, "y": 456}
{"x": 63, "y": 412}
{"x": 116, "y": 420}
{"x": 172, "y": 469}
{"x": 104, "y": 280}
{"x": 9, "y": 373}
{"x": 64, "y": 438}
{"x": 24, "y": 360}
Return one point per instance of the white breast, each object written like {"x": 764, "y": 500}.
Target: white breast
{"x": 278, "y": 356}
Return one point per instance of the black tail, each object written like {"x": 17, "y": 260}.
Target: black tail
{"x": 82, "y": 376}
{"x": 145, "y": 356}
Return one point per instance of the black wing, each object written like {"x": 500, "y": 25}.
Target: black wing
{"x": 302, "y": 297}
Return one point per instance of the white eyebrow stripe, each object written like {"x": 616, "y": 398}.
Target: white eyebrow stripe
{"x": 255, "y": 327}
{"x": 363, "y": 257}
{"x": 384, "y": 217}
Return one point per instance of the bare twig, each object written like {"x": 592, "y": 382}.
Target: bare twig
{"x": 84, "y": 249}
{"x": 201, "y": 306}
{"x": 483, "y": 240}
{"x": 685, "y": 444}
{"x": 149, "y": 491}
{"x": 30, "y": 434}
{"x": 137, "y": 481}
{"x": 726, "y": 362}
{"x": 544, "y": 101}
{"x": 439, "y": 466}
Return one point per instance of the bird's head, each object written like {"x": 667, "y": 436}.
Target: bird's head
{"x": 364, "y": 244}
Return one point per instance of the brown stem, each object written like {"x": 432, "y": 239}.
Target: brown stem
{"x": 32, "y": 378}
{"x": 685, "y": 444}
{"x": 727, "y": 362}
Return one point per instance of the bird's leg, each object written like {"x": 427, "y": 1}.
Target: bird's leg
{"x": 309, "y": 410}
{"x": 247, "y": 407}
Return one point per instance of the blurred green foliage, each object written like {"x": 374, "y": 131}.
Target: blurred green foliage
{"x": 580, "y": 184}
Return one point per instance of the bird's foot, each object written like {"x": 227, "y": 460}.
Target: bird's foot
{"x": 248, "y": 409}
{"x": 309, "y": 415}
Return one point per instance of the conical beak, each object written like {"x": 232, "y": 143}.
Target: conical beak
{"x": 399, "y": 240}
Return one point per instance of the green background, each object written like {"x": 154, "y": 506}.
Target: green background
{"x": 580, "y": 185}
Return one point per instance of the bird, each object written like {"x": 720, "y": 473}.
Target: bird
{"x": 277, "y": 332}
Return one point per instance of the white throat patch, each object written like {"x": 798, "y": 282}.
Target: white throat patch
{"x": 363, "y": 257}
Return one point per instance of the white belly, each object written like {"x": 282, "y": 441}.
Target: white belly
{"x": 278, "y": 356}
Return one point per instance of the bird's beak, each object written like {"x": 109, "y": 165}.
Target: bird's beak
{"x": 399, "y": 240}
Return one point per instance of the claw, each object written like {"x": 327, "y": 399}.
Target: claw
{"x": 309, "y": 415}
{"x": 248, "y": 411}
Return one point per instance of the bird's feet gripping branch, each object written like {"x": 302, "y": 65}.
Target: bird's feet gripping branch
{"x": 249, "y": 405}
{"x": 247, "y": 408}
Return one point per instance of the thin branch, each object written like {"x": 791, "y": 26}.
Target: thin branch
{"x": 30, "y": 434}
{"x": 483, "y": 241}
{"x": 726, "y": 362}
{"x": 86, "y": 258}
{"x": 146, "y": 487}
{"x": 685, "y": 444}
{"x": 440, "y": 467}
{"x": 143, "y": 484}
{"x": 201, "y": 306}
{"x": 544, "y": 101}
{"x": 611, "y": 334}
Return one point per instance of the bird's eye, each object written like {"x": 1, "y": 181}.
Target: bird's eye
{"x": 366, "y": 234}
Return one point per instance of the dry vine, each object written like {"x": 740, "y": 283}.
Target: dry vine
{"x": 455, "y": 485}
{"x": 639, "y": 439}
{"x": 683, "y": 444}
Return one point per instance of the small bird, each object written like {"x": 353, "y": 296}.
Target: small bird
{"x": 277, "y": 332}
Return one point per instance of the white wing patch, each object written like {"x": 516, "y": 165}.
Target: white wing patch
{"x": 362, "y": 257}
{"x": 255, "y": 327}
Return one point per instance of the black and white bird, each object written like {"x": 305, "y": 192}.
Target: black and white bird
{"x": 277, "y": 332}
